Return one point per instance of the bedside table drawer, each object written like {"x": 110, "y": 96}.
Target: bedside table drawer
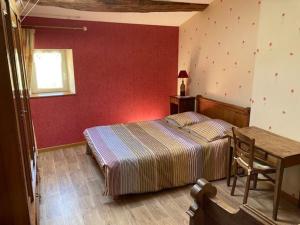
{"x": 181, "y": 104}
{"x": 174, "y": 100}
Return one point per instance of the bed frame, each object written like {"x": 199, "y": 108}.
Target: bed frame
{"x": 236, "y": 115}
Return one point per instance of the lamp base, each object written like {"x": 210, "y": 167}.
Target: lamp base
{"x": 182, "y": 89}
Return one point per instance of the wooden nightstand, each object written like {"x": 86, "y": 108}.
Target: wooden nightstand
{"x": 179, "y": 104}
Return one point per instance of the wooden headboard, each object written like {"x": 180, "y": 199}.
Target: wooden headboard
{"x": 236, "y": 115}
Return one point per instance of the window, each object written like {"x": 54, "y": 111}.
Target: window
{"x": 53, "y": 72}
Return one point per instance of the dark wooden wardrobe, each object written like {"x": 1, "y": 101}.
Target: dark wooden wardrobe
{"x": 18, "y": 169}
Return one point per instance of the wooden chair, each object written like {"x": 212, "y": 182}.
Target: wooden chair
{"x": 245, "y": 158}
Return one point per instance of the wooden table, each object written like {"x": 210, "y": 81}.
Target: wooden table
{"x": 286, "y": 151}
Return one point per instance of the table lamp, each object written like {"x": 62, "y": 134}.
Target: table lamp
{"x": 182, "y": 74}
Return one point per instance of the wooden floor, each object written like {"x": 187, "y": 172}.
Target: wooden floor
{"x": 72, "y": 187}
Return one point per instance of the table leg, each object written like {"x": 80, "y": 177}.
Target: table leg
{"x": 279, "y": 176}
{"x": 229, "y": 161}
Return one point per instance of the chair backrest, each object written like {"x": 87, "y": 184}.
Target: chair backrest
{"x": 243, "y": 149}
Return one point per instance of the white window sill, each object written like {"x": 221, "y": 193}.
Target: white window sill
{"x": 51, "y": 94}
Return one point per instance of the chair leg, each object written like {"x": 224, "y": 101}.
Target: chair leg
{"x": 247, "y": 189}
{"x": 234, "y": 179}
{"x": 233, "y": 185}
{"x": 255, "y": 177}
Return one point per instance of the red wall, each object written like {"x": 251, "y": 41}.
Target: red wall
{"x": 123, "y": 73}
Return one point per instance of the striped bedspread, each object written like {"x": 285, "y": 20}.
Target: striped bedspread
{"x": 152, "y": 155}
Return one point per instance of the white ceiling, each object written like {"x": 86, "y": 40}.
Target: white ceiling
{"x": 155, "y": 18}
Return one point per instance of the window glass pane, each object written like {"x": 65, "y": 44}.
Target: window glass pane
{"x": 48, "y": 70}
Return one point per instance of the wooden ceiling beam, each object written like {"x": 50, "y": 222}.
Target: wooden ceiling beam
{"x": 141, "y": 6}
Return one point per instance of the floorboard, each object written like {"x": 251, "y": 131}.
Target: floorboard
{"x": 72, "y": 187}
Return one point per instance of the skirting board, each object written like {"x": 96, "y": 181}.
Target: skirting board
{"x": 54, "y": 148}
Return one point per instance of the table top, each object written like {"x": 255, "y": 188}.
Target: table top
{"x": 182, "y": 97}
{"x": 271, "y": 143}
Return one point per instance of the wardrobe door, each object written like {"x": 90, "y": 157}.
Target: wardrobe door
{"x": 14, "y": 192}
{"x": 18, "y": 80}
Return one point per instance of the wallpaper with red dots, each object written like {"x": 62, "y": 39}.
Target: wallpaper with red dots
{"x": 276, "y": 85}
{"x": 249, "y": 54}
{"x": 218, "y": 48}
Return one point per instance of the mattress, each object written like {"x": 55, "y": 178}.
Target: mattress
{"x": 153, "y": 155}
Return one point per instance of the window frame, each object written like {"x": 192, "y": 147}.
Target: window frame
{"x": 67, "y": 76}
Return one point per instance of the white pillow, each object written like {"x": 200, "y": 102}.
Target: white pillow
{"x": 186, "y": 118}
{"x": 210, "y": 130}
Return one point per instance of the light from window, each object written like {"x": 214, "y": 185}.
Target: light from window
{"x": 48, "y": 69}
{"x": 53, "y": 72}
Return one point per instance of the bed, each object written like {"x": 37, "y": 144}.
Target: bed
{"x": 153, "y": 155}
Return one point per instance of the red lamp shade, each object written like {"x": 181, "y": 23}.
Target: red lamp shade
{"x": 183, "y": 74}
